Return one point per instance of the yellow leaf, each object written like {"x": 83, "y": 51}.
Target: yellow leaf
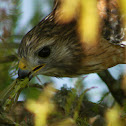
{"x": 67, "y": 10}
{"x": 89, "y": 21}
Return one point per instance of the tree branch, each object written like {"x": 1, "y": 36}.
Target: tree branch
{"x": 114, "y": 86}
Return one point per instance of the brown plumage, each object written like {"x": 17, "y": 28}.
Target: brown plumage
{"x": 55, "y": 49}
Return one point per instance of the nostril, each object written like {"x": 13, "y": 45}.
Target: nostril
{"x": 23, "y": 73}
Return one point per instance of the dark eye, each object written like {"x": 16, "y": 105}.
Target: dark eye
{"x": 45, "y": 52}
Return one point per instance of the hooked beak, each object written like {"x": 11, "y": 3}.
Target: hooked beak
{"x": 24, "y": 72}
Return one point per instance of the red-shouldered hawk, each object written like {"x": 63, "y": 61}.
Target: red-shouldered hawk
{"x": 54, "y": 49}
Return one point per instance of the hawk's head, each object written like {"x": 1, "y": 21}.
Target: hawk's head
{"x": 50, "y": 49}
{"x": 55, "y": 49}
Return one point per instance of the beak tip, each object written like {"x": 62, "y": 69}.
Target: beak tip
{"x": 23, "y": 73}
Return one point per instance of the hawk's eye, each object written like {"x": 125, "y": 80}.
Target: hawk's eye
{"x": 44, "y": 52}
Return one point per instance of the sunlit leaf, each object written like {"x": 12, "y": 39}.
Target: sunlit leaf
{"x": 42, "y": 107}
{"x": 67, "y": 10}
{"x": 123, "y": 8}
{"x": 113, "y": 117}
{"x": 86, "y": 14}
{"x": 66, "y": 122}
{"x": 89, "y": 21}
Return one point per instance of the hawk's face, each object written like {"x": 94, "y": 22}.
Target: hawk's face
{"x": 55, "y": 50}
{"x": 49, "y": 50}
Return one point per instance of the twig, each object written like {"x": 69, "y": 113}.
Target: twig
{"x": 38, "y": 85}
{"x": 7, "y": 59}
{"x": 9, "y": 95}
{"x": 10, "y": 45}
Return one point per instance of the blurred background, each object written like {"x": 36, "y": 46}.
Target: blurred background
{"x": 17, "y": 17}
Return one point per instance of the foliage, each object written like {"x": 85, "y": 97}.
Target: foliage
{"x": 47, "y": 105}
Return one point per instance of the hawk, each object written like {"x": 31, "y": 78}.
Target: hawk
{"x": 55, "y": 49}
